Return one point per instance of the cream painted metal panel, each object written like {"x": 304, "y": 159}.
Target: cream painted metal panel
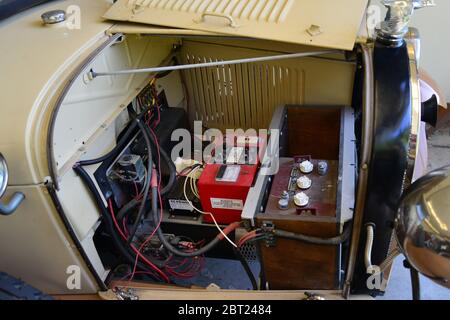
{"x": 36, "y": 247}
{"x": 89, "y": 104}
{"x": 34, "y": 61}
{"x": 281, "y": 20}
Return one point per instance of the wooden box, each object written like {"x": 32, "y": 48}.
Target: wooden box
{"x": 316, "y": 133}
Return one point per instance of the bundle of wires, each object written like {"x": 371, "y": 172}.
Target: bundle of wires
{"x": 185, "y": 268}
{"x": 185, "y": 258}
{"x": 252, "y": 236}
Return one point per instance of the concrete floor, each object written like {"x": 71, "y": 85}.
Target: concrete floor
{"x": 399, "y": 287}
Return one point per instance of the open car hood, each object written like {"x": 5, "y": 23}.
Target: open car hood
{"x": 322, "y": 23}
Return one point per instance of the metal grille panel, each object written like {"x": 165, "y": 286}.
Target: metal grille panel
{"x": 241, "y": 96}
{"x": 273, "y": 11}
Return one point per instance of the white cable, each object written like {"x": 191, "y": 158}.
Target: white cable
{"x": 368, "y": 249}
{"x": 368, "y": 252}
{"x": 203, "y": 212}
{"x": 214, "y": 63}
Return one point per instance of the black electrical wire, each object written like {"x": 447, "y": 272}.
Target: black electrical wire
{"x": 127, "y": 208}
{"x": 131, "y": 258}
{"x": 314, "y": 240}
{"x": 120, "y": 144}
{"x": 116, "y": 150}
{"x": 246, "y": 267}
{"x": 172, "y": 59}
{"x": 167, "y": 160}
{"x": 136, "y": 121}
{"x": 163, "y": 74}
{"x": 154, "y": 201}
{"x": 170, "y": 165}
{"x": 146, "y": 183}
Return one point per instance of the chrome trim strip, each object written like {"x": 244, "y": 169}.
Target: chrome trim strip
{"x": 366, "y": 151}
{"x": 416, "y": 106}
{"x": 3, "y": 175}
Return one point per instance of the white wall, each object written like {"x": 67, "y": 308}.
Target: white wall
{"x": 434, "y": 27}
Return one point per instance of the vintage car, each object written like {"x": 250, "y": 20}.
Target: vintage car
{"x": 155, "y": 149}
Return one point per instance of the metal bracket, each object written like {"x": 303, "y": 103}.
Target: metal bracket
{"x": 313, "y": 296}
{"x": 126, "y": 294}
{"x": 268, "y": 228}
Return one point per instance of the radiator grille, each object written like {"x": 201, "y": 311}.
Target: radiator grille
{"x": 241, "y": 96}
{"x": 274, "y": 11}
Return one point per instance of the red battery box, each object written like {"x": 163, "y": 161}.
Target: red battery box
{"x": 223, "y": 189}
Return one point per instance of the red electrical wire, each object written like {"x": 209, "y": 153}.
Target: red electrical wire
{"x": 124, "y": 226}
{"x": 193, "y": 268}
{"x": 154, "y": 183}
{"x": 138, "y": 253}
{"x": 159, "y": 155}
{"x": 189, "y": 271}
{"x": 179, "y": 265}
{"x": 246, "y": 237}
{"x": 155, "y": 97}
{"x": 158, "y": 185}
{"x": 197, "y": 262}
{"x": 184, "y": 269}
{"x": 159, "y": 116}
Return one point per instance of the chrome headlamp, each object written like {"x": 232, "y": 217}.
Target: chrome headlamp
{"x": 423, "y": 225}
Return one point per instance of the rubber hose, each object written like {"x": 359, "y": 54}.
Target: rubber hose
{"x": 126, "y": 208}
{"x": 170, "y": 165}
{"x": 368, "y": 248}
{"x": 314, "y": 240}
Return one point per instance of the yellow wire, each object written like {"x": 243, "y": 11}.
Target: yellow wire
{"x": 193, "y": 186}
